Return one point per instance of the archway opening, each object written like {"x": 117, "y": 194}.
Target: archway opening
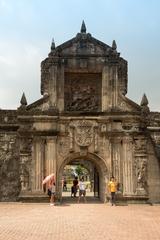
{"x": 95, "y": 174}
{"x": 76, "y": 170}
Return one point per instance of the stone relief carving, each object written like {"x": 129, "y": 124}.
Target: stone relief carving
{"x": 140, "y": 165}
{"x": 141, "y": 175}
{"x": 82, "y": 92}
{"x": 84, "y": 133}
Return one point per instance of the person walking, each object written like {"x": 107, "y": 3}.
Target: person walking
{"x": 64, "y": 185}
{"x": 112, "y": 188}
{"x": 52, "y": 189}
{"x": 82, "y": 189}
{"x": 74, "y": 187}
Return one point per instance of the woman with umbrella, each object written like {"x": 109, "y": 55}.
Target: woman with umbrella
{"x": 50, "y": 179}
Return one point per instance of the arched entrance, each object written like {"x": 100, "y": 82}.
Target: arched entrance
{"x": 100, "y": 173}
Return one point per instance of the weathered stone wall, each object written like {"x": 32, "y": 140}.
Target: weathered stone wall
{"x": 9, "y": 157}
{"x": 153, "y": 175}
{"x": 82, "y": 115}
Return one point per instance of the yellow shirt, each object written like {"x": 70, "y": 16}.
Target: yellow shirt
{"x": 112, "y": 186}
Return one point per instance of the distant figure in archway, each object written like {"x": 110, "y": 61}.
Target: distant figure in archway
{"x": 74, "y": 188}
{"x": 82, "y": 189}
{"x": 64, "y": 185}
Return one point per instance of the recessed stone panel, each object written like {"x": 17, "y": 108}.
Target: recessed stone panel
{"x": 82, "y": 92}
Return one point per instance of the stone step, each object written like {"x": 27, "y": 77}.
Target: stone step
{"x": 34, "y": 199}
{"x": 73, "y": 200}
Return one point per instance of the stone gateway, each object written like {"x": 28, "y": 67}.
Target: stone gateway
{"x": 83, "y": 116}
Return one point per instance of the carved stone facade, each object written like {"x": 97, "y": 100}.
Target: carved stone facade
{"x": 85, "y": 116}
{"x": 82, "y": 92}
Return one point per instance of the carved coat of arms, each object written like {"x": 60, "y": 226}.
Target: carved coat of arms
{"x": 84, "y": 133}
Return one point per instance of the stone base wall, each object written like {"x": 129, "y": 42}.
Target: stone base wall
{"x": 9, "y": 167}
{"x": 153, "y": 177}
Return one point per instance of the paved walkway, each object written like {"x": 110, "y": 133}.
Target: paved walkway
{"x": 20, "y": 221}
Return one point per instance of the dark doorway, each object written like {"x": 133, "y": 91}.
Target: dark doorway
{"x": 96, "y": 183}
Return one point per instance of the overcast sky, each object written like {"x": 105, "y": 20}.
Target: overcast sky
{"x": 28, "y": 26}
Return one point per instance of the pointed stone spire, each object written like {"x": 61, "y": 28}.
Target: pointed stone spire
{"x": 144, "y": 107}
{"x": 144, "y": 101}
{"x": 23, "y": 100}
{"x": 114, "y": 45}
{"x": 52, "y": 45}
{"x": 83, "y": 27}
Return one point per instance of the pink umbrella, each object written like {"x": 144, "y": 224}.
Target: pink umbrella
{"x": 48, "y": 178}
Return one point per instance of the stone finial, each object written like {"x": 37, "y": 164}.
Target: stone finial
{"x": 23, "y": 100}
{"x": 52, "y": 45}
{"x": 144, "y": 101}
{"x": 114, "y": 45}
{"x": 83, "y": 27}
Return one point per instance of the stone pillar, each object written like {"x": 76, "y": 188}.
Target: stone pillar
{"x": 114, "y": 84}
{"x": 50, "y": 155}
{"x": 105, "y": 88}
{"x": 128, "y": 166}
{"x": 117, "y": 161}
{"x": 38, "y": 162}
